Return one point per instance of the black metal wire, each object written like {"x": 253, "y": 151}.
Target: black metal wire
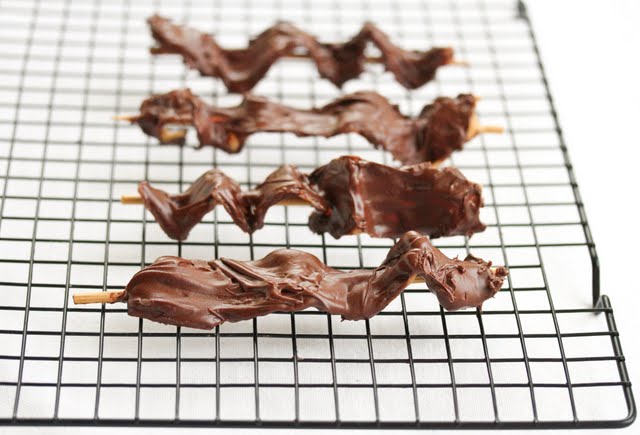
{"x": 549, "y": 162}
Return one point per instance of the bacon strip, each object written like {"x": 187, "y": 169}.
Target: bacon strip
{"x": 441, "y": 128}
{"x": 241, "y": 69}
{"x": 204, "y": 294}
{"x": 349, "y": 196}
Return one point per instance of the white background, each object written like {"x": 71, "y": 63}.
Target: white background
{"x": 590, "y": 52}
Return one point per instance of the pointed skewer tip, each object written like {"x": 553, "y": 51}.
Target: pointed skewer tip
{"x": 131, "y": 199}
{"x": 107, "y": 297}
{"x": 129, "y": 118}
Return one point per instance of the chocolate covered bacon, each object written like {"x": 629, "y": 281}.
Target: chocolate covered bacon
{"x": 349, "y": 196}
{"x": 441, "y": 128}
{"x": 241, "y": 69}
{"x": 204, "y": 294}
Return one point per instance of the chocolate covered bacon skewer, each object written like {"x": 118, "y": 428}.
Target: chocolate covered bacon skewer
{"x": 349, "y": 196}
{"x": 241, "y": 69}
{"x": 441, "y": 128}
{"x": 204, "y": 294}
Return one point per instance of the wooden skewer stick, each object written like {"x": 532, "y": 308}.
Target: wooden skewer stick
{"x": 490, "y": 129}
{"x": 112, "y": 296}
{"x": 108, "y": 297}
{"x": 168, "y": 135}
{"x": 474, "y": 127}
{"x": 135, "y": 199}
{"x": 130, "y": 118}
{"x": 371, "y": 59}
{"x": 367, "y": 59}
{"x": 131, "y": 199}
{"x": 178, "y": 121}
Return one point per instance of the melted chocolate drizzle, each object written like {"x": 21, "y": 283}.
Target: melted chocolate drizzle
{"x": 441, "y": 128}
{"x": 241, "y": 69}
{"x": 204, "y": 294}
{"x": 349, "y": 196}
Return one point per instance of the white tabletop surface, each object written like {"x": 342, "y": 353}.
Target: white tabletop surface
{"x": 590, "y": 55}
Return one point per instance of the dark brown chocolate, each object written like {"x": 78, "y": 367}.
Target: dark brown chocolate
{"x": 384, "y": 201}
{"x": 177, "y": 214}
{"x": 441, "y": 128}
{"x": 241, "y": 69}
{"x": 350, "y": 196}
{"x": 204, "y": 294}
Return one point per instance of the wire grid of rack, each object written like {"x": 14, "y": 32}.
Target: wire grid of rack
{"x": 529, "y": 360}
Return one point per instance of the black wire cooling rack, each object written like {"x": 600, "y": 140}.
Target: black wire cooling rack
{"x": 529, "y": 360}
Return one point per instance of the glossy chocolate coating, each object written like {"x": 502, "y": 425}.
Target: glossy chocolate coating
{"x": 241, "y": 69}
{"x": 204, "y": 294}
{"x": 384, "y": 201}
{"x": 177, "y": 214}
{"x": 350, "y": 195}
{"x": 441, "y": 128}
